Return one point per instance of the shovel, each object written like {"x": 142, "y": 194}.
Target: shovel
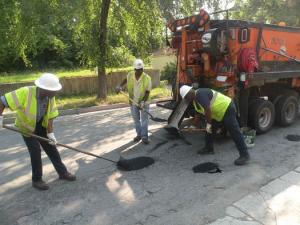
{"x": 155, "y": 119}
{"x": 123, "y": 164}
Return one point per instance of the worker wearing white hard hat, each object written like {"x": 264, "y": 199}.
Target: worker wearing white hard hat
{"x": 138, "y": 64}
{"x": 48, "y": 82}
{"x": 35, "y": 107}
{"x": 218, "y": 107}
{"x": 139, "y": 87}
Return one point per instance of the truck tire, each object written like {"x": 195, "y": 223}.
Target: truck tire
{"x": 261, "y": 115}
{"x": 291, "y": 92}
{"x": 286, "y": 110}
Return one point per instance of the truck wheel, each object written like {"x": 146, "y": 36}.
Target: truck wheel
{"x": 261, "y": 115}
{"x": 286, "y": 110}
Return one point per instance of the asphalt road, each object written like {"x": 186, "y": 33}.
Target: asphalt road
{"x": 166, "y": 193}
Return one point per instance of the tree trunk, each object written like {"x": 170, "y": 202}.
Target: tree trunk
{"x": 102, "y": 85}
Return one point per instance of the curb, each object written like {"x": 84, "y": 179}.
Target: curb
{"x": 67, "y": 112}
{"x": 10, "y": 117}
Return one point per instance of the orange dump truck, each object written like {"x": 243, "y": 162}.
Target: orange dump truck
{"x": 257, "y": 65}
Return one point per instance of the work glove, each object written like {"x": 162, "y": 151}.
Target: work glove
{"x": 209, "y": 128}
{"x": 118, "y": 89}
{"x": 1, "y": 121}
{"x": 52, "y": 138}
{"x": 142, "y": 104}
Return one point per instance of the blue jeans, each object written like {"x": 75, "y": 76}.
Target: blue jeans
{"x": 232, "y": 126}
{"x": 140, "y": 118}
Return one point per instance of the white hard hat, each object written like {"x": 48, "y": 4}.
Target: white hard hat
{"x": 48, "y": 81}
{"x": 138, "y": 64}
{"x": 184, "y": 90}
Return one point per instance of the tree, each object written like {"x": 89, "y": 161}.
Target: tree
{"x": 269, "y": 11}
{"x": 102, "y": 86}
{"x": 35, "y": 33}
{"x": 170, "y": 8}
{"x": 132, "y": 28}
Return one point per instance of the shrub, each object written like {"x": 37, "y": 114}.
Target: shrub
{"x": 119, "y": 57}
{"x": 169, "y": 72}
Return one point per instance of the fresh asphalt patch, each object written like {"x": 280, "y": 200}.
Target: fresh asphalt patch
{"x": 293, "y": 137}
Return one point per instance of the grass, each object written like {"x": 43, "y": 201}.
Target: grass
{"x": 159, "y": 62}
{"x": 31, "y": 76}
{"x": 80, "y": 101}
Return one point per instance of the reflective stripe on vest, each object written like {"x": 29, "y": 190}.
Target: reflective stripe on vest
{"x": 15, "y": 99}
{"x": 52, "y": 108}
{"x": 29, "y": 102}
{"x": 218, "y": 104}
{"x": 24, "y": 125}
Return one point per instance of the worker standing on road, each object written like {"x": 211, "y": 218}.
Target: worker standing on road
{"x": 216, "y": 106}
{"x": 139, "y": 86}
{"x": 35, "y": 110}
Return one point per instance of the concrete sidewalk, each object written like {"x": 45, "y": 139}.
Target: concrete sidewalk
{"x": 276, "y": 203}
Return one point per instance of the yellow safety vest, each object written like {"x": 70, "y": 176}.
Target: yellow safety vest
{"x": 23, "y": 101}
{"x": 146, "y": 79}
{"x": 218, "y": 104}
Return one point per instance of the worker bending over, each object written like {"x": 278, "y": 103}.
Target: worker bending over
{"x": 35, "y": 110}
{"x": 216, "y": 106}
{"x": 138, "y": 86}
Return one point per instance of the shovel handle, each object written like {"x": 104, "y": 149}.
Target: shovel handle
{"x": 151, "y": 116}
{"x": 135, "y": 103}
{"x": 58, "y": 144}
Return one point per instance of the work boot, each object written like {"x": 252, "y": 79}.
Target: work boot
{"x": 137, "y": 139}
{"x": 242, "y": 160}
{"x": 67, "y": 176}
{"x": 206, "y": 151}
{"x": 40, "y": 185}
{"x": 145, "y": 141}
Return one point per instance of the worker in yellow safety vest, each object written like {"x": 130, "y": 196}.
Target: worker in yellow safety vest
{"x": 139, "y": 86}
{"x": 35, "y": 110}
{"x": 216, "y": 106}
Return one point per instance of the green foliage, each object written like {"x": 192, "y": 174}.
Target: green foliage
{"x": 119, "y": 57}
{"x": 39, "y": 34}
{"x": 134, "y": 29}
{"x": 169, "y": 72}
{"x": 35, "y": 33}
{"x": 268, "y": 11}
{"x": 170, "y": 8}
{"x": 43, "y": 34}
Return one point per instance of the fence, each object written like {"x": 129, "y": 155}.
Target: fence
{"x": 84, "y": 85}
